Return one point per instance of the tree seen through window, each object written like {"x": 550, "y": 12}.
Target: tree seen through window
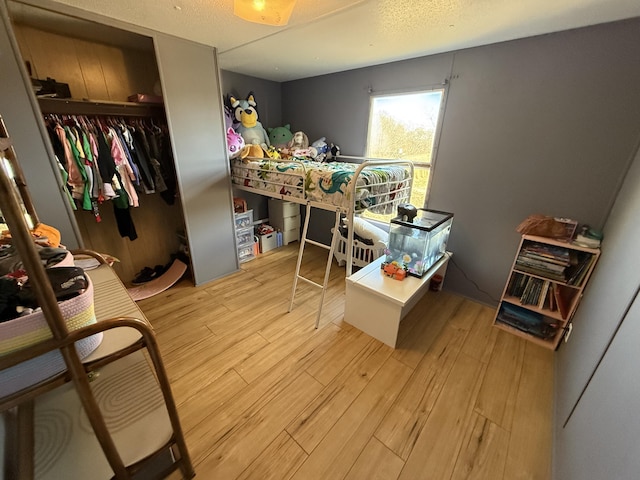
{"x": 404, "y": 126}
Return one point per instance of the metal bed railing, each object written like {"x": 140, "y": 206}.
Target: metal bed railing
{"x": 368, "y": 189}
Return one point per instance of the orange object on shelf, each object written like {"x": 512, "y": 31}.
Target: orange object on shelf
{"x": 394, "y": 270}
{"x": 239, "y": 205}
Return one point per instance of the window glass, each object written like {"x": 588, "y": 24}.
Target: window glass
{"x": 405, "y": 126}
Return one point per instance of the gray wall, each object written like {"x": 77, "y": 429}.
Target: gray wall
{"x": 540, "y": 125}
{"x": 601, "y": 440}
{"x": 268, "y": 95}
{"x": 597, "y": 371}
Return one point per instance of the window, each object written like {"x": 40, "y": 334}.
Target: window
{"x": 405, "y": 126}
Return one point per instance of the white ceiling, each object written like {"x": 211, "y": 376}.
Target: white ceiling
{"x": 327, "y": 36}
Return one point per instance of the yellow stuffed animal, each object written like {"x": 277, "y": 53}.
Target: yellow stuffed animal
{"x": 251, "y": 151}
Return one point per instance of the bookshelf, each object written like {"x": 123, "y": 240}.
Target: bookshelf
{"x": 544, "y": 288}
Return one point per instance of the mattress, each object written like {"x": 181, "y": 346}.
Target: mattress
{"x": 378, "y": 187}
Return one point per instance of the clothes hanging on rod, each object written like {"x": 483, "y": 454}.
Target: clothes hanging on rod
{"x": 106, "y": 158}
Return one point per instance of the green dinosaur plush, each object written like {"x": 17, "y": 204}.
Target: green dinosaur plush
{"x": 280, "y": 136}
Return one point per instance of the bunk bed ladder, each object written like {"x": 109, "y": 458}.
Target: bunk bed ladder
{"x": 303, "y": 241}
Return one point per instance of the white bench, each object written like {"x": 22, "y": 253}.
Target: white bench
{"x": 376, "y": 304}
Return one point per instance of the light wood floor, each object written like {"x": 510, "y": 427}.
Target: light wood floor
{"x": 264, "y": 395}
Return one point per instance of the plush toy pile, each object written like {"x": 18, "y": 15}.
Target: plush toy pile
{"x": 247, "y": 138}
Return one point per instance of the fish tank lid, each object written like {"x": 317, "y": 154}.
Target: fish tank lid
{"x": 425, "y": 219}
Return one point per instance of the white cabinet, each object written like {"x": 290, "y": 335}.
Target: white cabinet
{"x": 376, "y": 304}
{"x": 285, "y": 216}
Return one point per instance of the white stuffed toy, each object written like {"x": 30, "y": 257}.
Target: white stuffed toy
{"x": 300, "y": 141}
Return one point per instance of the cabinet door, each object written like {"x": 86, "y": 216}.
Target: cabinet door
{"x": 189, "y": 75}
{"x": 601, "y": 439}
{"x": 36, "y": 161}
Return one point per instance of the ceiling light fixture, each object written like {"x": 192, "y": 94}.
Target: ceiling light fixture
{"x": 267, "y": 12}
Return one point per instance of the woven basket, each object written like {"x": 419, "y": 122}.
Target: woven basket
{"x": 31, "y": 329}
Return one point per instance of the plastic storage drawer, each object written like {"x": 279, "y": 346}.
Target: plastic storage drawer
{"x": 244, "y": 235}
{"x": 245, "y": 253}
{"x": 244, "y": 219}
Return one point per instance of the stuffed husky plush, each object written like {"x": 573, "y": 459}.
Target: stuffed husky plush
{"x": 250, "y": 128}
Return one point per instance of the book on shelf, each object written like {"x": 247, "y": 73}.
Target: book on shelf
{"x": 526, "y": 321}
{"x": 579, "y": 271}
{"x": 541, "y": 271}
{"x": 562, "y": 301}
{"x": 529, "y": 290}
{"x": 551, "y": 253}
{"x": 552, "y": 298}
{"x": 516, "y": 285}
{"x": 556, "y": 263}
{"x": 544, "y": 292}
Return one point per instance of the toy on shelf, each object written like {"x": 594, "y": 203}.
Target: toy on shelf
{"x": 252, "y": 151}
{"x": 235, "y": 143}
{"x": 332, "y": 153}
{"x": 321, "y": 149}
{"x": 280, "y": 136}
{"x": 395, "y": 270}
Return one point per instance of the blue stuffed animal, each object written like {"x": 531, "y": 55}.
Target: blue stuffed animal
{"x": 250, "y": 128}
{"x": 321, "y": 149}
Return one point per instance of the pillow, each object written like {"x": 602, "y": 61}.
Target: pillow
{"x": 368, "y": 230}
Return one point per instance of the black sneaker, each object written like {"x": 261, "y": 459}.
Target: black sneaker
{"x": 145, "y": 275}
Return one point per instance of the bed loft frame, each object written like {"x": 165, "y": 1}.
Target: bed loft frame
{"x": 349, "y": 211}
{"x": 127, "y": 341}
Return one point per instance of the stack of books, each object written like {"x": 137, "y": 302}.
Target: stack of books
{"x": 545, "y": 260}
{"x": 553, "y": 262}
{"x": 526, "y": 321}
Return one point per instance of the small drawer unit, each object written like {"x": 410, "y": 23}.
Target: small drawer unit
{"x": 244, "y": 219}
{"x": 285, "y": 216}
{"x": 245, "y": 253}
{"x": 244, "y": 235}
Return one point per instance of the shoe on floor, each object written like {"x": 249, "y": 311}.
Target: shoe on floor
{"x": 145, "y": 275}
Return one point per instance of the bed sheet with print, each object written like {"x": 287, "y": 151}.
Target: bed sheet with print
{"x": 351, "y": 184}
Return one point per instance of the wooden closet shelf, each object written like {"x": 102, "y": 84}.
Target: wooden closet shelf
{"x": 69, "y": 106}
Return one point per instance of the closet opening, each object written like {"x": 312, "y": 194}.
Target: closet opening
{"x": 100, "y": 97}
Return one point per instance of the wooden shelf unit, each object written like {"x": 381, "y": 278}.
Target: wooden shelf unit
{"x": 544, "y": 288}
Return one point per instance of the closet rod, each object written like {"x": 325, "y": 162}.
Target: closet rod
{"x": 63, "y": 106}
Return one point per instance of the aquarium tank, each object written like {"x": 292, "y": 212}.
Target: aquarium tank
{"x": 418, "y": 238}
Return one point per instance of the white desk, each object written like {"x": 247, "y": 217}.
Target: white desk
{"x": 376, "y": 303}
